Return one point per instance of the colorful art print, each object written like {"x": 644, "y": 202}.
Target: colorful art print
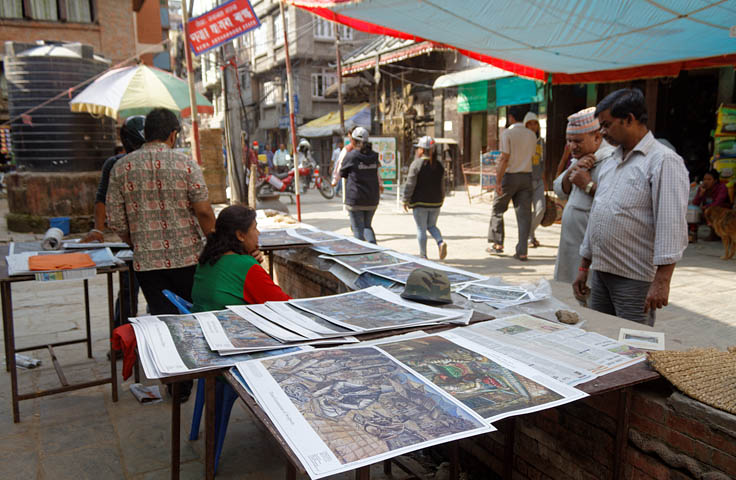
{"x": 362, "y": 262}
{"x": 400, "y": 272}
{"x": 480, "y": 383}
{"x": 315, "y": 235}
{"x": 317, "y": 319}
{"x": 365, "y": 311}
{"x": 362, "y": 404}
{"x": 192, "y": 346}
{"x": 278, "y": 238}
{"x": 343, "y": 246}
{"x": 243, "y": 334}
{"x": 489, "y": 293}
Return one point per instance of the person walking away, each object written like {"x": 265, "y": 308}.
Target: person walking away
{"x": 513, "y": 182}
{"x": 577, "y": 185}
{"x": 424, "y": 193}
{"x": 362, "y": 188}
{"x": 539, "y": 182}
{"x": 131, "y": 135}
{"x": 711, "y": 193}
{"x": 637, "y": 230}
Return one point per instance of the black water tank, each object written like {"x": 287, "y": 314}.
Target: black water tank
{"x": 58, "y": 139}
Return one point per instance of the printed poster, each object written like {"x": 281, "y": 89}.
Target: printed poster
{"x": 341, "y": 409}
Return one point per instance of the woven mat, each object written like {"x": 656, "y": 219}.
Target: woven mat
{"x": 705, "y": 374}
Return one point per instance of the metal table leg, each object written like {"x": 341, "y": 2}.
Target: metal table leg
{"x": 87, "y": 319}
{"x": 5, "y": 328}
{"x": 113, "y": 352}
{"x": 10, "y": 346}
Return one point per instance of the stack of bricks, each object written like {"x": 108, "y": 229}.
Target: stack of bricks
{"x": 213, "y": 163}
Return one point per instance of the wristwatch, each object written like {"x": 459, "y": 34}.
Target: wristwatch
{"x": 589, "y": 187}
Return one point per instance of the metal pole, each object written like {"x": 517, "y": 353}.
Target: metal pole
{"x": 190, "y": 80}
{"x": 339, "y": 80}
{"x": 290, "y": 85}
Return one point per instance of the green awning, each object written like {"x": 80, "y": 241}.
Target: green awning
{"x": 470, "y": 76}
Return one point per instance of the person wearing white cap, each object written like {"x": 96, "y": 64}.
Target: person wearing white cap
{"x": 539, "y": 183}
{"x": 577, "y": 185}
{"x": 424, "y": 193}
{"x": 637, "y": 228}
{"x": 363, "y": 188}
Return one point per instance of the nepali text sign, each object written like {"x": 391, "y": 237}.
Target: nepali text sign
{"x": 221, "y": 25}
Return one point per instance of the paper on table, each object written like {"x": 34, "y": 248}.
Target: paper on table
{"x": 374, "y": 308}
{"x": 354, "y": 417}
{"x": 493, "y": 385}
{"x": 359, "y": 263}
{"x": 267, "y": 326}
{"x": 315, "y": 323}
{"x": 312, "y": 235}
{"x": 641, "y": 339}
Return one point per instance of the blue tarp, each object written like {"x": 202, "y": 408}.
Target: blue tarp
{"x": 555, "y": 36}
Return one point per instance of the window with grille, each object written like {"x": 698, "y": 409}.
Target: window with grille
{"x": 278, "y": 27}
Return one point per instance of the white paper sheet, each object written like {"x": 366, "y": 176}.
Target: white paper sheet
{"x": 265, "y": 325}
{"x": 354, "y": 417}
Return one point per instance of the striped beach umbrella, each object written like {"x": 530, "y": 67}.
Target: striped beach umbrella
{"x": 137, "y": 90}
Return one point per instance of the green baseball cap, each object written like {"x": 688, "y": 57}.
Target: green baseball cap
{"x": 427, "y": 285}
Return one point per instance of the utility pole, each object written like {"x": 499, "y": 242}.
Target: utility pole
{"x": 292, "y": 123}
{"x": 339, "y": 80}
{"x": 236, "y": 177}
{"x": 190, "y": 80}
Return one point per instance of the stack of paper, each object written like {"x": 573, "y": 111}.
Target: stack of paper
{"x": 568, "y": 354}
{"x": 354, "y": 406}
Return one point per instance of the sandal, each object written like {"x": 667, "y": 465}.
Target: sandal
{"x": 534, "y": 243}
{"x": 495, "y": 249}
{"x": 521, "y": 258}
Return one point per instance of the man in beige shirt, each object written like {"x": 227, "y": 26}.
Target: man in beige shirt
{"x": 513, "y": 182}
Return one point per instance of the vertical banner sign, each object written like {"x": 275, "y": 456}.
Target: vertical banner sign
{"x": 221, "y": 25}
{"x": 386, "y": 149}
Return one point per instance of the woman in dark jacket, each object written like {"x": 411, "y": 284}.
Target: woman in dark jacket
{"x": 363, "y": 188}
{"x": 424, "y": 193}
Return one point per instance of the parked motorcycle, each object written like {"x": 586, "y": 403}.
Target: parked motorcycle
{"x": 284, "y": 182}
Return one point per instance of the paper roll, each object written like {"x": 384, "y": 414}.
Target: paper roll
{"x": 52, "y": 239}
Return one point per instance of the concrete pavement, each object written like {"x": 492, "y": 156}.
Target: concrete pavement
{"x": 84, "y": 435}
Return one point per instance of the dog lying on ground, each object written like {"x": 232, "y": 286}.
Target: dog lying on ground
{"x": 723, "y": 221}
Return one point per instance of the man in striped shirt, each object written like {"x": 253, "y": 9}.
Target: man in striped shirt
{"x": 637, "y": 229}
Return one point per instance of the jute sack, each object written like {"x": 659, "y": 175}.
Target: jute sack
{"x": 705, "y": 374}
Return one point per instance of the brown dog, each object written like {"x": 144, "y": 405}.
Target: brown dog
{"x": 723, "y": 221}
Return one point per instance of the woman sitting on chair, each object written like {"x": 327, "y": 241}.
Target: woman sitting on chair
{"x": 229, "y": 270}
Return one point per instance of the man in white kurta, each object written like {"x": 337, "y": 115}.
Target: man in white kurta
{"x": 577, "y": 185}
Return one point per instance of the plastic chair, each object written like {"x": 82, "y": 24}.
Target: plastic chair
{"x": 225, "y": 395}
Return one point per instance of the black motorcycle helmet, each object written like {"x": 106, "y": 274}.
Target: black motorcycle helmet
{"x": 131, "y": 133}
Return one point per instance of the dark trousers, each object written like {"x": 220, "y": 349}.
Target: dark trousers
{"x": 516, "y": 187}
{"x": 122, "y": 303}
{"x": 360, "y": 224}
{"x": 178, "y": 280}
{"x": 620, "y": 296}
